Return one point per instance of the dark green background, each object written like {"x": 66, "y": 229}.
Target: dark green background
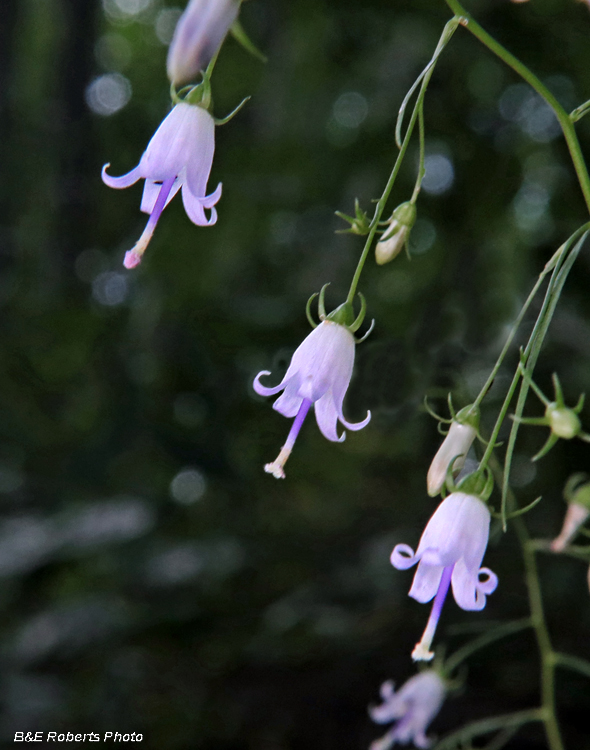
{"x": 265, "y": 614}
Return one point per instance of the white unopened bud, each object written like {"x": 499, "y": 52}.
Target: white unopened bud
{"x": 574, "y": 518}
{"x": 396, "y": 235}
{"x": 392, "y": 243}
{"x": 456, "y": 445}
{"x": 198, "y": 35}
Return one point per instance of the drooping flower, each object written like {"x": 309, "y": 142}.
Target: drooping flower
{"x": 318, "y": 375}
{"x": 198, "y": 35}
{"x": 179, "y": 155}
{"x": 456, "y": 445}
{"x": 413, "y": 707}
{"x": 450, "y": 552}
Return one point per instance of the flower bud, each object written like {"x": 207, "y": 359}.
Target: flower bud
{"x": 578, "y": 498}
{"x": 397, "y": 233}
{"x": 198, "y": 35}
{"x": 456, "y": 445}
{"x": 564, "y": 422}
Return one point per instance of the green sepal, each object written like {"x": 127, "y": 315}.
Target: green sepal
{"x": 577, "y": 489}
{"x": 238, "y": 33}
{"x": 343, "y": 315}
{"x": 361, "y": 316}
{"x": 232, "y": 114}
{"x": 479, "y": 483}
{"x": 468, "y": 415}
{"x": 321, "y": 302}
{"x": 405, "y": 214}
{"x": 312, "y": 322}
{"x": 359, "y": 223}
{"x": 200, "y": 95}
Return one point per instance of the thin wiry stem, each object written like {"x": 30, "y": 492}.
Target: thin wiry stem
{"x": 565, "y": 121}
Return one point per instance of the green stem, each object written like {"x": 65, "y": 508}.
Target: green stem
{"x": 379, "y": 208}
{"x": 486, "y": 638}
{"x": 548, "y": 657}
{"x": 563, "y": 117}
{"x": 574, "y": 663}
{"x": 546, "y": 652}
{"x": 485, "y": 726}
{"x": 548, "y": 267}
{"x": 421, "y": 169}
{"x": 533, "y": 349}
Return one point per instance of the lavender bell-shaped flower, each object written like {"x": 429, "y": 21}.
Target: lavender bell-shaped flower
{"x": 319, "y": 374}
{"x": 450, "y": 552}
{"x": 198, "y": 35}
{"x": 413, "y": 707}
{"x": 179, "y": 155}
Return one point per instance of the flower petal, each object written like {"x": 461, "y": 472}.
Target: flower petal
{"x": 490, "y": 584}
{"x": 200, "y": 156}
{"x": 151, "y": 190}
{"x": 194, "y": 209}
{"x": 465, "y": 588}
{"x": 262, "y": 390}
{"x": 172, "y": 145}
{"x": 327, "y": 418}
{"x": 125, "y": 180}
{"x": 403, "y": 557}
{"x": 289, "y": 403}
{"x": 426, "y": 582}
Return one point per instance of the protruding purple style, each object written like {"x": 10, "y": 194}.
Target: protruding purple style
{"x": 413, "y": 707}
{"x": 198, "y": 35}
{"x": 319, "y": 374}
{"x": 450, "y": 551}
{"x": 179, "y": 155}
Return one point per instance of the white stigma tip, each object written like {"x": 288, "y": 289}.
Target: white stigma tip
{"x": 421, "y": 653}
{"x": 275, "y": 469}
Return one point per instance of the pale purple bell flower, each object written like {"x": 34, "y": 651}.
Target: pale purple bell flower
{"x": 179, "y": 155}
{"x": 413, "y": 707}
{"x": 450, "y": 552}
{"x": 319, "y": 375}
{"x": 198, "y": 35}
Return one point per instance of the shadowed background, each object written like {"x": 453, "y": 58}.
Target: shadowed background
{"x": 153, "y": 578}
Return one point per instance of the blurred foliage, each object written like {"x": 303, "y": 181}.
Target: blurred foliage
{"x": 154, "y": 579}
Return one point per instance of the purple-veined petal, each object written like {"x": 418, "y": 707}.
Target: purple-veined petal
{"x": 263, "y": 390}
{"x": 125, "y": 180}
{"x": 151, "y": 190}
{"x": 403, "y": 557}
{"x": 327, "y": 418}
{"x": 426, "y": 582}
